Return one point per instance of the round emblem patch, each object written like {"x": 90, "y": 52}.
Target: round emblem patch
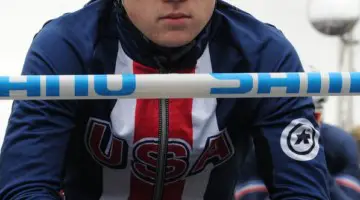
{"x": 300, "y": 140}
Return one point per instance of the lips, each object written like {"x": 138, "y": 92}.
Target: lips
{"x": 175, "y": 16}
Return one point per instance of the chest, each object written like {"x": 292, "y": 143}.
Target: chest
{"x": 126, "y": 135}
{"x": 130, "y": 136}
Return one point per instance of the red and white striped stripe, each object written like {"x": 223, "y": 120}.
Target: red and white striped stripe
{"x": 191, "y": 120}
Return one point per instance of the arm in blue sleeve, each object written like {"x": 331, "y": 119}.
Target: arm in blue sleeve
{"x": 252, "y": 189}
{"x": 349, "y": 185}
{"x": 289, "y": 153}
{"x": 250, "y": 186}
{"x": 348, "y": 179}
{"x": 36, "y": 139}
{"x": 336, "y": 193}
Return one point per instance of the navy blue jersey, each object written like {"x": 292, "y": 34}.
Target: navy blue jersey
{"x": 108, "y": 149}
{"x": 250, "y": 185}
{"x": 341, "y": 158}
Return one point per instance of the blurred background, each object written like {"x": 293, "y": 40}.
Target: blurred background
{"x": 21, "y": 19}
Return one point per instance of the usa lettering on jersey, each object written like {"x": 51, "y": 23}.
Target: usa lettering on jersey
{"x": 113, "y": 152}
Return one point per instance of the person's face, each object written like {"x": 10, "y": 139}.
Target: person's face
{"x": 170, "y": 23}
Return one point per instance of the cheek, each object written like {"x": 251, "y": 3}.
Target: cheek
{"x": 139, "y": 11}
{"x": 137, "y": 15}
{"x": 203, "y": 16}
{"x": 207, "y": 6}
{"x": 141, "y": 19}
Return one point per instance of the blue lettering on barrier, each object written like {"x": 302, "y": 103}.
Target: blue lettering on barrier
{"x": 52, "y": 86}
{"x": 335, "y": 82}
{"x": 128, "y": 85}
{"x": 291, "y": 82}
{"x": 81, "y": 85}
{"x": 32, "y": 86}
{"x": 314, "y": 82}
{"x": 354, "y": 82}
{"x": 246, "y": 84}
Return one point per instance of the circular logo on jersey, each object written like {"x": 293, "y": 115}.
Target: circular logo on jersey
{"x": 300, "y": 140}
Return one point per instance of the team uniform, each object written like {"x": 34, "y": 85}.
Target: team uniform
{"x": 341, "y": 158}
{"x": 108, "y": 149}
{"x": 250, "y": 185}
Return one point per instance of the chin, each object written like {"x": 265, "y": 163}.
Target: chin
{"x": 174, "y": 40}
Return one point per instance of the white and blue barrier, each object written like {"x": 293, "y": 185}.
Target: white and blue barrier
{"x": 231, "y": 85}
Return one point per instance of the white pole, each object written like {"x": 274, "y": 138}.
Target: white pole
{"x": 230, "y": 85}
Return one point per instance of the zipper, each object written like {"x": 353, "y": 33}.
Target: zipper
{"x": 162, "y": 143}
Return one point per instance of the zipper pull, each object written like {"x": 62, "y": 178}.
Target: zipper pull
{"x": 163, "y": 70}
{"x": 160, "y": 62}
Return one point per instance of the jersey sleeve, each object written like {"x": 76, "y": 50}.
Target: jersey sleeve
{"x": 249, "y": 185}
{"x": 348, "y": 179}
{"x": 290, "y": 154}
{"x": 336, "y": 192}
{"x": 252, "y": 189}
{"x": 37, "y": 135}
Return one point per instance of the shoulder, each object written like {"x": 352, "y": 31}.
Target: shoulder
{"x": 255, "y": 40}
{"x": 82, "y": 23}
{"x": 76, "y": 32}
